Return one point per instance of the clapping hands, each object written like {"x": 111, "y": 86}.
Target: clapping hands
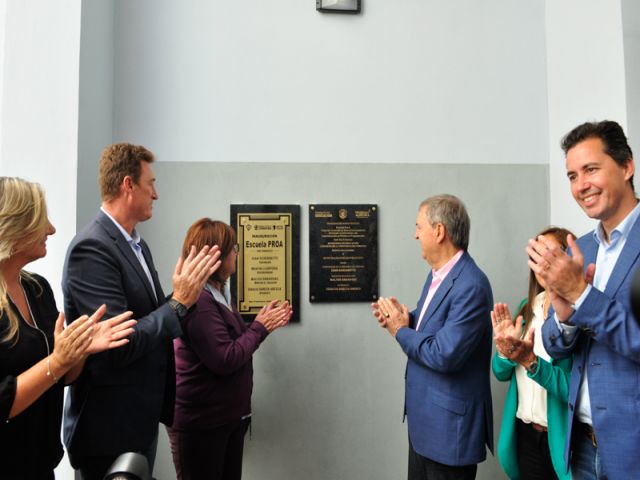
{"x": 508, "y": 335}
{"x": 275, "y": 315}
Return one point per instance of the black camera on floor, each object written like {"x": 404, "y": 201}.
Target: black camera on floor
{"x": 129, "y": 466}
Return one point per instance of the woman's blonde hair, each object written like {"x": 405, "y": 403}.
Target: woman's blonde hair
{"x": 23, "y": 222}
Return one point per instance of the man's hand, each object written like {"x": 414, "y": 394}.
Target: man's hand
{"x": 391, "y": 314}
{"x": 375, "y": 311}
{"x": 562, "y": 307}
{"x": 111, "y": 333}
{"x": 560, "y": 272}
{"x": 192, "y": 273}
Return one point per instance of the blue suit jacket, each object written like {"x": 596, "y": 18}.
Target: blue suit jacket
{"x": 447, "y": 393}
{"x": 608, "y": 341}
{"x": 122, "y": 394}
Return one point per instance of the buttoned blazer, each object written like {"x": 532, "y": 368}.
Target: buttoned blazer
{"x": 608, "y": 342}
{"x": 447, "y": 389}
{"x": 122, "y": 394}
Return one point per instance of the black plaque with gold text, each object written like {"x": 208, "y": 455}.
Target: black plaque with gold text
{"x": 343, "y": 253}
{"x": 268, "y": 257}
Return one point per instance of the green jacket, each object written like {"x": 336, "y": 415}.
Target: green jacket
{"x": 554, "y": 377}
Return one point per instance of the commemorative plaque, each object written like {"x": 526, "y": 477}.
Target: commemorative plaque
{"x": 343, "y": 253}
{"x": 268, "y": 265}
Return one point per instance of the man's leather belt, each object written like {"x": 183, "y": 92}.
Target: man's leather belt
{"x": 588, "y": 431}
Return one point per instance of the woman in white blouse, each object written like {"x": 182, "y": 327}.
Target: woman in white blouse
{"x": 534, "y": 421}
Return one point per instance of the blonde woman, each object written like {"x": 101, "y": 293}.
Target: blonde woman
{"x": 38, "y": 356}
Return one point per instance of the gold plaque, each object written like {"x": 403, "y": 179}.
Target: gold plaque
{"x": 266, "y": 263}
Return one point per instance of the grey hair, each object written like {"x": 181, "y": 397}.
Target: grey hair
{"x": 450, "y": 212}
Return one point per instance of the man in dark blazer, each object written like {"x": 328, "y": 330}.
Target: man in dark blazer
{"x": 447, "y": 340}
{"x": 116, "y": 404}
{"x": 591, "y": 317}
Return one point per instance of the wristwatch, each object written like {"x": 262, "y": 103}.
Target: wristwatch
{"x": 179, "y": 309}
{"x": 533, "y": 366}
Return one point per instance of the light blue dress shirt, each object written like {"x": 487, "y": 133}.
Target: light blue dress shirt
{"x": 134, "y": 243}
{"x": 606, "y": 259}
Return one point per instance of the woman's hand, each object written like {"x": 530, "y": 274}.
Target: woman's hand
{"x": 111, "y": 333}
{"x": 523, "y": 350}
{"x": 70, "y": 344}
{"x": 506, "y": 331}
{"x": 274, "y": 315}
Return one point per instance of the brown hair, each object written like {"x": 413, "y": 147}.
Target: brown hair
{"x": 210, "y": 232}
{"x": 560, "y": 235}
{"x": 610, "y": 134}
{"x": 118, "y": 161}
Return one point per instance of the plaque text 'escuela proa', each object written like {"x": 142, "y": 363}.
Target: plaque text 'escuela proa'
{"x": 267, "y": 269}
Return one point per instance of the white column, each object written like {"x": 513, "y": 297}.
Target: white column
{"x": 39, "y": 116}
{"x": 3, "y": 30}
{"x": 40, "y": 112}
{"x": 586, "y": 81}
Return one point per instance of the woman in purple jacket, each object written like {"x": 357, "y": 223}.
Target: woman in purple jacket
{"x": 214, "y": 373}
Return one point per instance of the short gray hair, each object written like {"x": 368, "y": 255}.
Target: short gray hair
{"x": 451, "y": 212}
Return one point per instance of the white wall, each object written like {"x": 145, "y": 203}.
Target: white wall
{"x": 40, "y": 111}
{"x": 586, "y": 82}
{"x": 39, "y": 117}
{"x": 631, "y": 27}
{"x": 406, "y": 81}
{"x": 3, "y": 31}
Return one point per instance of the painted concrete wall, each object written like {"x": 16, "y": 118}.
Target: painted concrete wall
{"x": 329, "y": 391}
{"x": 95, "y": 115}
{"x": 410, "y": 81}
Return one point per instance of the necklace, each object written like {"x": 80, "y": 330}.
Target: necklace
{"x": 33, "y": 319}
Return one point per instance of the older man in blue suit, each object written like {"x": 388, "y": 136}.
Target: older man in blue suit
{"x": 447, "y": 340}
{"x": 592, "y": 318}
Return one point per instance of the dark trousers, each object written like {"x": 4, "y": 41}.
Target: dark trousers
{"x": 421, "y": 468}
{"x": 534, "y": 459}
{"x": 96, "y": 467}
{"x": 213, "y": 454}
